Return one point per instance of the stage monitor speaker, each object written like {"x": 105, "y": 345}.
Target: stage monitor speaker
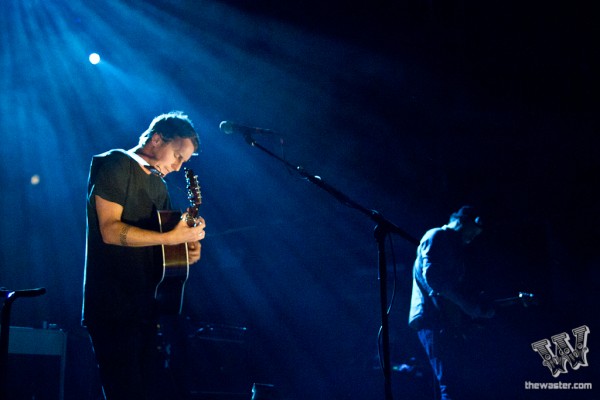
{"x": 36, "y": 363}
{"x": 217, "y": 365}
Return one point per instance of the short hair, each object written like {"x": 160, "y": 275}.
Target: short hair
{"x": 467, "y": 213}
{"x": 171, "y": 125}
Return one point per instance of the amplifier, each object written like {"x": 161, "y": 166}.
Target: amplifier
{"x": 216, "y": 365}
{"x": 36, "y": 363}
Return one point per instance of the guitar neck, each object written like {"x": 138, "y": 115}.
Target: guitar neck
{"x": 522, "y": 298}
{"x": 175, "y": 263}
{"x": 509, "y": 301}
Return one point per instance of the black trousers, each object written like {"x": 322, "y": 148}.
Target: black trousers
{"x": 130, "y": 364}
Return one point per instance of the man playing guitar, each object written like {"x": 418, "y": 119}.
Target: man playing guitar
{"x": 125, "y": 191}
{"x": 439, "y": 299}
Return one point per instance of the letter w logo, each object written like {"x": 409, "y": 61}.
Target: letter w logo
{"x": 564, "y": 352}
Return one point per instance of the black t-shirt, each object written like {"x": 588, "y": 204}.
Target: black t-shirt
{"x": 120, "y": 281}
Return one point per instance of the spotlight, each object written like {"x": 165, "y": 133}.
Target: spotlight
{"x": 94, "y": 58}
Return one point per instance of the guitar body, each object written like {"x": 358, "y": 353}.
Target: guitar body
{"x": 175, "y": 260}
{"x": 175, "y": 268}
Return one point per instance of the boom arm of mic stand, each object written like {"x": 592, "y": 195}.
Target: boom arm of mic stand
{"x": 385, "y": 224}
{"x": 383, "y": 228}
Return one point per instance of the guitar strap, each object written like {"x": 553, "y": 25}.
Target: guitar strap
{"x": 143, "y": 163}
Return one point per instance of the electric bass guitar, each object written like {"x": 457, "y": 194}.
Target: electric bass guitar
{"x": 175, "y": 261}
{"x": 523, "y": 299}
{"x": 459, "y": 324}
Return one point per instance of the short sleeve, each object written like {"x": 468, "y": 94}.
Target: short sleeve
{"x": 111, "y": 179}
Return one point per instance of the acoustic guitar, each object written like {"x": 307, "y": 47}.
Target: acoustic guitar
{"x": 175, "y": 261}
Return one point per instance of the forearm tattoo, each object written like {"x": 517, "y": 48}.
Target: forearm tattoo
{"x": 123, "y": 235}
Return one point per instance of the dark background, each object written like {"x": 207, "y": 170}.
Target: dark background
{"x": 410, "y": 108}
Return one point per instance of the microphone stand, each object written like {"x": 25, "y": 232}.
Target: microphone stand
{"x": 9, "y": 297}
{"x": 382, "y": 229}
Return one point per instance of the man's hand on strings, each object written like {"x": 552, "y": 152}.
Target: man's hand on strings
{"x": 195, "y": 247}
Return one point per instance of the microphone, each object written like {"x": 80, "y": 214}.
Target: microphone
{"x": 228, "y": 127}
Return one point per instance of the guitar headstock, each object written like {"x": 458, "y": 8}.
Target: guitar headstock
{"x": 522, "y": 298}
{"x": 527, "y": 299}
{"x": 194, "y": 196}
